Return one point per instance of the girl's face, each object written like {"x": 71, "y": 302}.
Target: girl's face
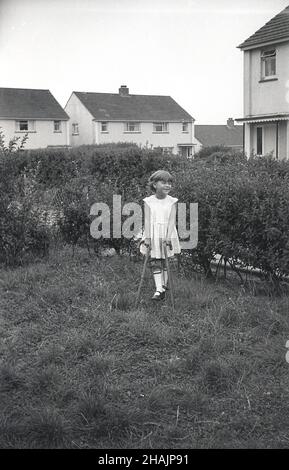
{"x": 162, "y": 188}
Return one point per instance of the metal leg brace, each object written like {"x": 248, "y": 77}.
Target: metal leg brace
{"x": 169, "y": 276}
{"x": 142, "y": 276}
{"x": 170, "y": 283}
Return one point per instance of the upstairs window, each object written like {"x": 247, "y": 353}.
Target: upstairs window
{"x": 132, "y": 127}
{"x": 75, "y": 130}
{"x": 268, "y": 63}
{"x": 160, "y": 127}
{"x": 185, "y": 127}
{"x": 57, "y": 126}
{"x": 104, "y": 127}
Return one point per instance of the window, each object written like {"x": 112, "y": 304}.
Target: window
{"x": 132, "y": 127}
{"x": 160, "y": 127}
{"x": 268, "y": 63}
{"x": 104, "y": 127}
{"x": 57, "y": 126}
{"x": 185, "y": 127}
{"x": 75, "y": 130}
{"x": 25, "y": 126}
{"x": 259, "y": 141}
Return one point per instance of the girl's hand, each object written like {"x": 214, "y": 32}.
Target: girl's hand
{"x": 168, "y": 242}
{"x": 147, "y": 242}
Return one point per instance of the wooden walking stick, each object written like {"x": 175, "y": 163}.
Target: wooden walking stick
{"x": 142, "y": 275}
{"x": 169, "y": 276}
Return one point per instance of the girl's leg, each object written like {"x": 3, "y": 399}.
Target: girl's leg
{"x": 164, "y": 275}
{"x": 156, "y": 265}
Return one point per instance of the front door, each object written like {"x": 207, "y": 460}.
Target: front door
{"x": 186, "y": 151}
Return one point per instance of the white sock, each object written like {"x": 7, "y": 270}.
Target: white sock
{"x": 158, "y": 281}
{"x": 164, "y": 277}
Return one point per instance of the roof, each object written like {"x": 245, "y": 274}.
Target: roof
{"x": 20, "y": 103}
{"x": 265, "y": 118}
{"x": 219, "y": 135}
{"x": 114, "y": 107}
{"x": 277, "y": 29}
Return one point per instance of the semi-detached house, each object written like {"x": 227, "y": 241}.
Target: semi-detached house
{"x": 33, "y": 112}
{"x": 266, "y": 89}
{"x": 147, "y": 120}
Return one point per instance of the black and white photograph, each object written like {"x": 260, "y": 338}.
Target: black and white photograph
{"x": 144, "y": 227}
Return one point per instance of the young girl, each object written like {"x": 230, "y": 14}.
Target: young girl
{"x": 160, "y": 228}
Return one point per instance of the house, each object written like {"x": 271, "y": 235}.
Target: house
{"x": 35, "y": 112}
{"x": 153, "y": 121}
{"x": 228, "y": 135}
{"x": 266, "y": 88}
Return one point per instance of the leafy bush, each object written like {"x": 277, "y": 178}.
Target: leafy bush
{"x": 102, "y": 171}
{"x": 243, "y": 213}
{"x": 21, "y": 233}
{"x": 112, "y": 163}
{"x": 16, "y": 144}
{"x": 74, "y": 224}
{"x": 243, "y": 204}
{"x": 205, "y": 152}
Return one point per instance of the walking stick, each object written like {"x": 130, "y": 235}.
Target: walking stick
{"x": 169, "y": 276}
{"x": 142, "y": 275}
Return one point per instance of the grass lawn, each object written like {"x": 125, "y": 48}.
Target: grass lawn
{"x": 81, "y": 368}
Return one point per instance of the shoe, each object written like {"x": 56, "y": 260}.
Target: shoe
{"x": 159, "y": 296}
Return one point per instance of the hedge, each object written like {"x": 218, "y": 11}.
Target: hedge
{"x": 243, "y": 212}
{"x": 243, "y": 204}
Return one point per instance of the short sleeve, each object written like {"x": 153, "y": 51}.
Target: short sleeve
{"x": 148, "y": 200}
{"x": 174, "y": 200}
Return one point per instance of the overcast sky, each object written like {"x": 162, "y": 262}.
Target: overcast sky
{"x": 182, "y": 48}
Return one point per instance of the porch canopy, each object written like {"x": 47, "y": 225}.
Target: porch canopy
{"x": 279, "y": 146}
{"x": 264, "y": 118}
{"x": 186, "y": 145}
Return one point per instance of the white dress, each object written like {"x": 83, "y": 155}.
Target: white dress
{"x": 160, "y": 210}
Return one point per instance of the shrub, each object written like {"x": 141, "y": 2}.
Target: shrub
{"x": 243, "y": 212}
{"x": 21, "y": 233}
{"x": 118, "y": 164}
{"x": 205, "y": 152}
{"x": 16, "y": 144}
{"x": 243, "y": 204}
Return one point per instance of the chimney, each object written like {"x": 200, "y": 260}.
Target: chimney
{"x": 230, "y": 123}
{"x": 123, "y": 90}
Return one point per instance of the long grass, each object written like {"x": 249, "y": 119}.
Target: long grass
{"x": 80, "y": 367}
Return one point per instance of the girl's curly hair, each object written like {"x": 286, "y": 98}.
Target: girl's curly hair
{"x": 160, "y": 175}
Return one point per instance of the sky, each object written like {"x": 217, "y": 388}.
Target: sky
{"x": 183, "y": 48}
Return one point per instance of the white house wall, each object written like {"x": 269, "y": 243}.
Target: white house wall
{"x": 198, "y": 145}
{"x": 287, "y": 140}
{"x": 146, "y": 136}
{"x": 80, "y": 115}
{"x": 42, "y": 136}
{"x": 266, "y": 97}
